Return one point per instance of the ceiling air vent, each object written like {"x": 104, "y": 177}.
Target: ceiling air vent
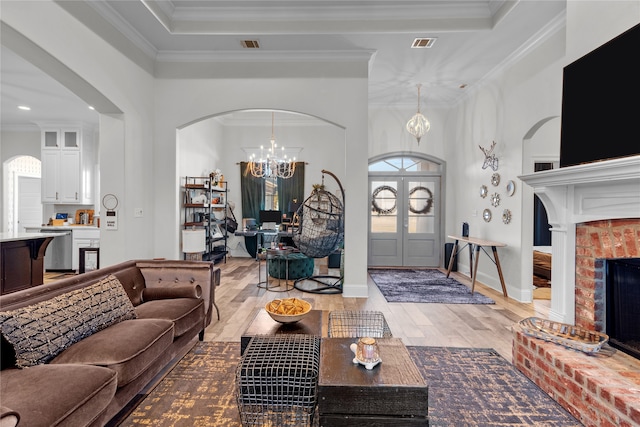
{"x": 422, "y": 43}
{"x": 250, "y": 44}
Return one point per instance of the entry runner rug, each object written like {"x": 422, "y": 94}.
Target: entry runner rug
{"x": 430, "y": 286}
{"x": 467, "y": 387}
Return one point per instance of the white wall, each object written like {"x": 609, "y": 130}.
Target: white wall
{"x": 518, "y": 107}
{"x": 138, "y": 150}
{"x": 338, "y": 100}
{"x": 126, "y": 140}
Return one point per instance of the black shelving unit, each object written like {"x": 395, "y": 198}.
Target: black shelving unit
{"x": 202, "y": 200}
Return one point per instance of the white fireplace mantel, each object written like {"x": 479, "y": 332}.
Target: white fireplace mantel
{"x": 572, "y": 195}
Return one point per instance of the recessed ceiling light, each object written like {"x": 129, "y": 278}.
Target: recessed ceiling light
{"x": 423, "y": 42}
{"x": 91, "y": 107}
{"x": 24, "y": 107}
{"x": 250, "y": 44}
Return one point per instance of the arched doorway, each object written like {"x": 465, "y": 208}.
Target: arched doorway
{"x": 225, "y": 140}
{"x": 405, "y": 219}
{"x": 540, "y": 151}
{"x": 23, "y": 207}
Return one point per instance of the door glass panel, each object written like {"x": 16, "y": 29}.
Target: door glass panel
{"x": 50, "y": 139}
{"x": 421, "y": 201}
{"x": 408, "y": 164}
{"x": 71, "y": 139}
{"x": 384, "y": 206}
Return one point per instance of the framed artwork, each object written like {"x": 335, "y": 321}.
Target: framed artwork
{"x": 89, "y": 259}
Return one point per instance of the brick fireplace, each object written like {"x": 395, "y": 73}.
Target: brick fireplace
{"x": 596, "y": 242}
{"x": 594, "y": 212}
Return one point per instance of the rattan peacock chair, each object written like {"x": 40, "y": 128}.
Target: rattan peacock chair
{"x": 320, "y": 234}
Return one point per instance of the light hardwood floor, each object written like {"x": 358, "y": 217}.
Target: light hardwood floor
{"x": 444, "y": 325}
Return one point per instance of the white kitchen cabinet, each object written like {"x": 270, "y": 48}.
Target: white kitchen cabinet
{"x": 67, "y": 166}
{"x": 65, "y": 138}
{"x": 61, "y": 177}
{"x": 83, "y": 238}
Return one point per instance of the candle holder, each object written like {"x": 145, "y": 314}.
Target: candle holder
{"x": 366, "y": 352}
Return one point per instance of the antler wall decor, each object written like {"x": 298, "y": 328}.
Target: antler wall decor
{"x": 490, "y": 159}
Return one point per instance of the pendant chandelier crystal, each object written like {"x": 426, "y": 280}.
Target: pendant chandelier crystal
{"x": 418, "y": 125}
{"x": 271, "y": 165}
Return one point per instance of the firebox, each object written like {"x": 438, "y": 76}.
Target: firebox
{"x": 622, "y": 307}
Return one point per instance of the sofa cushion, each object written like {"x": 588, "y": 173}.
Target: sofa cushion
{"x": 183, "y": 312}
{"x": 40, "y": 331}
{"x": 53, "y": 395}
{"x": 128, "y": 347}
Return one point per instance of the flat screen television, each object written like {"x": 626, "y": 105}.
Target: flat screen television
{"x": 270, "y": 216}
{"x": 601, "y": 103}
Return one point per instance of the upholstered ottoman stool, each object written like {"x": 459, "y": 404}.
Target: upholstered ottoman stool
{"x": 277, "y": 380}
{"x": 300, "y": 266}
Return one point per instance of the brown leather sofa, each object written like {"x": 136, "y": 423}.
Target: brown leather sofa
{"x": 87, "y": 380}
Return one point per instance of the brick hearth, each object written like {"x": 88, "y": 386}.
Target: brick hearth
{"x": 598, "y": 390}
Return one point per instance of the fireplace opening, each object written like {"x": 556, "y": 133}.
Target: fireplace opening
{"x": 622, "y": 311}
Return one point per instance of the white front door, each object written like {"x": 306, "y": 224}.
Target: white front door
{"x": 421, "y": 230}
{"x": 404, "y": 225}
{"x": 386, "y": 219}
{"x": 406, "y": 191}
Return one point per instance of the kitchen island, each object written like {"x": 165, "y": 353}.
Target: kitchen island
{"x": 22, "y": 260}
{"x": 64, "y": 252}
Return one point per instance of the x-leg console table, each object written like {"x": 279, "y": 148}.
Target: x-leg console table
{"x": 478, "y": 244}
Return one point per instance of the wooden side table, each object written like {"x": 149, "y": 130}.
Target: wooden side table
{"x": 478, "y": 244}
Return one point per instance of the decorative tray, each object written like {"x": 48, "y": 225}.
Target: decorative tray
{"x": 564, "y": 334}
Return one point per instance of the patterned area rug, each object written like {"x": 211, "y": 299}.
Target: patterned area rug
{"x": 467, "y": 387}
{"x": 430, "y": 286}
{"x": 478, "y": 387}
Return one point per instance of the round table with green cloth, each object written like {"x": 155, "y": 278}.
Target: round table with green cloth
{"x": 300, "y": 266}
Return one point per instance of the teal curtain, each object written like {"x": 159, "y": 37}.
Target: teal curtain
{"x": 291, "y": 188}
{"x": 252, "y": 190}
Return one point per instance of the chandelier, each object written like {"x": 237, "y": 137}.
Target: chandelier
{"x": 418, "y": 125}
{"x": 271, "y": 165}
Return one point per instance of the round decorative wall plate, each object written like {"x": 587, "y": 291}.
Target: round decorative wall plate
{"x": 495, "y": 200}
{"x": 506, "y": 216}
{"x": 484, "y": 191}
{"x": 511, "y": 188}
{"x": 486, "y": 214}
{"x": 495, "y": 179}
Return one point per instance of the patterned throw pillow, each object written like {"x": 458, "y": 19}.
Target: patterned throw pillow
{"x": 41, "y": 331}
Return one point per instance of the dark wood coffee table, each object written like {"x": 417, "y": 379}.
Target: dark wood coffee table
{"x": 391, "y": 394}
{"x": 314, "y": 323}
